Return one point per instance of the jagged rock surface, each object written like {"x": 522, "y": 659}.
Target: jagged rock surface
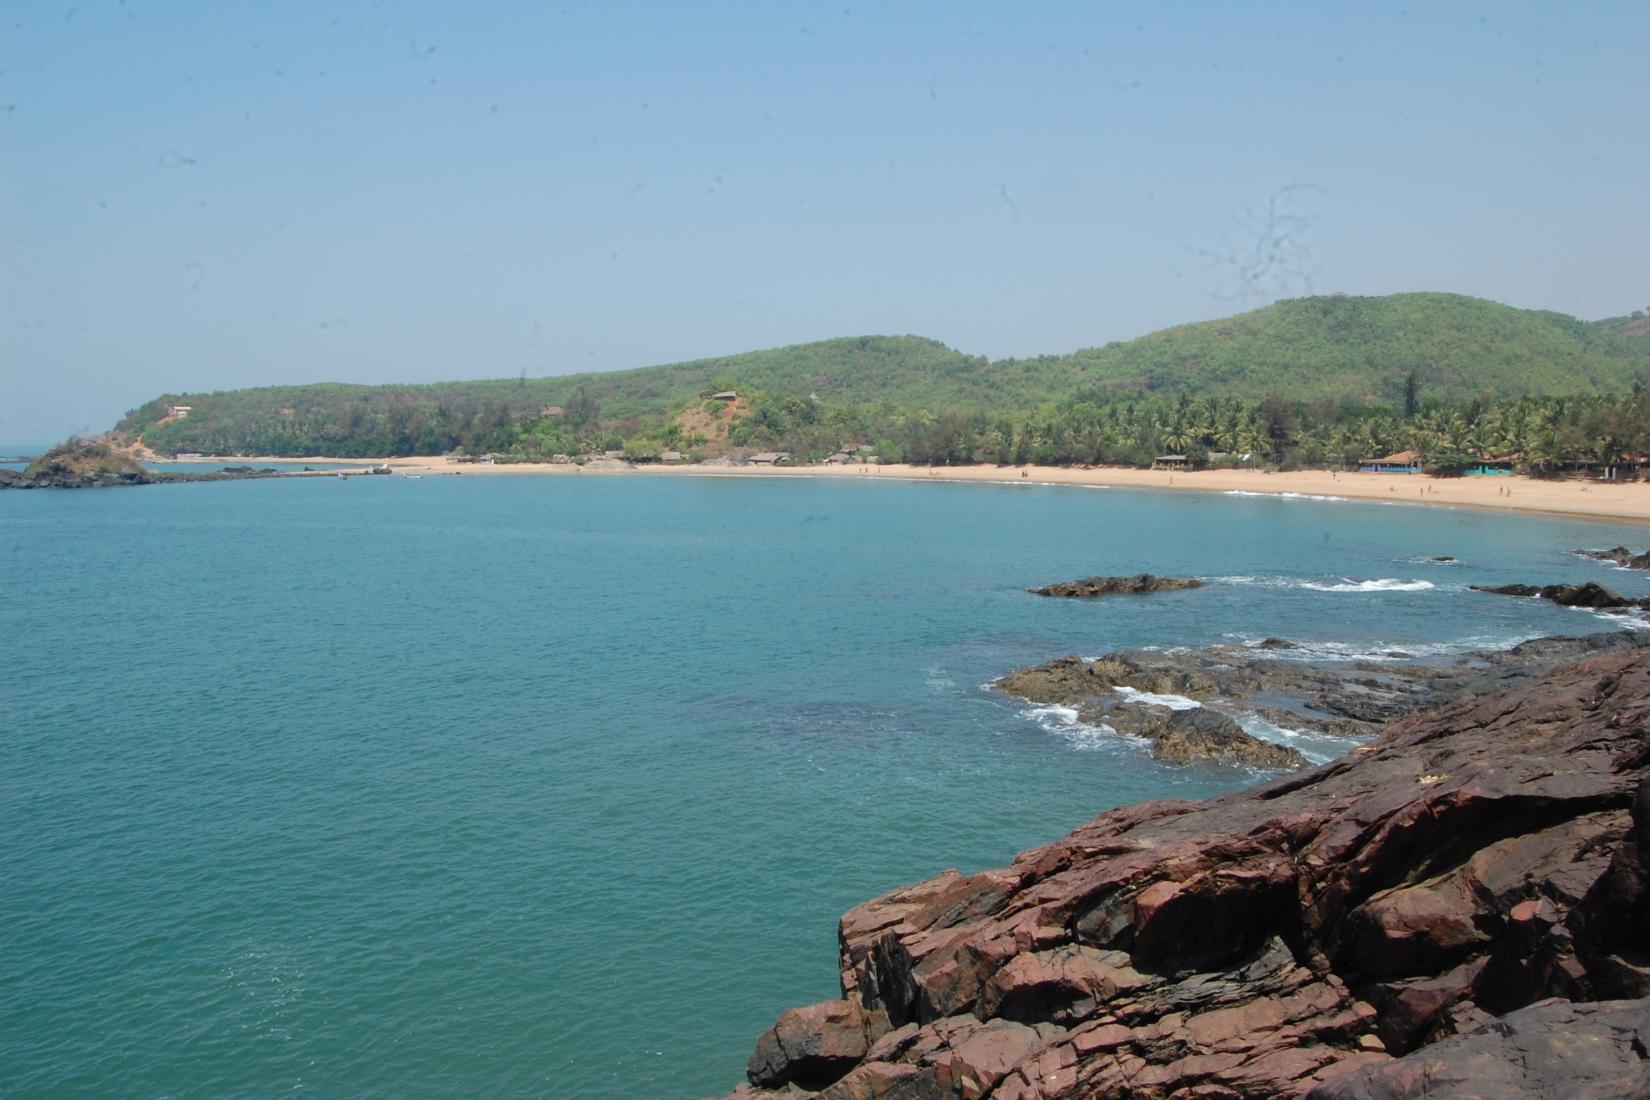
{"x": 1477, "y": 859}
{"x": 1562, "y": 1051}
{"x": 1234, "y": 683}
{"x": 1090, "y": 587}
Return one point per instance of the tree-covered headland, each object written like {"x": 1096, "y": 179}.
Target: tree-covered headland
{"x": 1323, "y": 381}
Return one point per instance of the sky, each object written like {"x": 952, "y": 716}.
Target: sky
{"x": 202, "y": 196}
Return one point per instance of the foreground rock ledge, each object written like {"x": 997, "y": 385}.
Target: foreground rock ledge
{"x": 1331, "y": 931}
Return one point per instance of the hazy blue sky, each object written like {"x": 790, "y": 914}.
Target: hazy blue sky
{"x": 202, "y": 196}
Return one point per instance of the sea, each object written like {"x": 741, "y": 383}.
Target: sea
{"x": 556, "y": 786}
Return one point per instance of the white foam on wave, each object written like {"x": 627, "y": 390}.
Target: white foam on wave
{"x": 1632, "y": 620}
{"x": 1380, "y": 584}
{"x": 1345, "y": 584}
{"x": 1173, "y": 702}
{"x": 1318, "y": 748}
{"x": 1389, "y": 651}
{"x": 1282, "y": 496}
{"x": 1065, "y": 722}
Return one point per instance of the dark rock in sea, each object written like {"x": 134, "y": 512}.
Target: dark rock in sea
{"x": 94, "y": 464}
{"x": 1202, "y": 733}
{"x": 1444, "y": 558}
{"x": 1372, "y": 928}
{"x": 1620, "y": 555}
{"x": 1591, "y": 595}
{"x": 71, "y": 479}
{"x": 1341, "y": 698}
{"x": 1139, "y": 584}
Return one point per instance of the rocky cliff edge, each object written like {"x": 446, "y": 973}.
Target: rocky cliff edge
{"x": 1397, "y": 923}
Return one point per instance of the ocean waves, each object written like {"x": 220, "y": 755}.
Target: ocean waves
{"x": 1341, "y": 584}
{"x": 1280, "y": 496}
{"x": 1066, "y": 723}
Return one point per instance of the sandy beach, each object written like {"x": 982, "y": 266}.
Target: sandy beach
{"x": 1580, "y": 499}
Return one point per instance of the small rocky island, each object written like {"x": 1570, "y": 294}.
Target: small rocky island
{"x": 100, "y": 464}
{"x": 1460, "y": 908}
{"x": 78, "y": 464}
{"x": 1591, "y": 595}
{"x": 1619, "y": 555}
{"x": 1137, "y": 585}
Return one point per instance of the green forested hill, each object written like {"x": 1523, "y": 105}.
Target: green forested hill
{"x": 1633, "y": 332}
{"x": 1363, "y": 349}
{"x": 1359, "y": 350}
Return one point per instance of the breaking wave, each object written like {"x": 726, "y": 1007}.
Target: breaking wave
{"x": 1344, "y": 584}
{"x": 1283, "y": 496}
{"x": 1382, "y": 584}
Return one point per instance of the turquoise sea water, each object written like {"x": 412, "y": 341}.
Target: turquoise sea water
{"x": 556, "y": 786}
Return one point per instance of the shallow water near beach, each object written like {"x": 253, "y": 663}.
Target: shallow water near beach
{"x": 557, "y": 786}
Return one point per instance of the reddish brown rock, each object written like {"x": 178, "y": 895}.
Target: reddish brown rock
{"x": 1478, "y": 858}
{"x": 810, "y": 1047}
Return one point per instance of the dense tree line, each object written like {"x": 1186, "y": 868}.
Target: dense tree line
{"x": 1541, "y": 435}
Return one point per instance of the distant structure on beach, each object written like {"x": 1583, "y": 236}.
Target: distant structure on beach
{"x": 1404, "y": 462}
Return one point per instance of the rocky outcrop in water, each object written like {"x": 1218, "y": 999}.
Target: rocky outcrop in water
{"x": 1591, "y": 595}
{"x": 1619, "y": 555}
{"x": 1370, "y": 928}
{"x": 1138, "y": 585}
{"x": 1225, "y": 686}
{"x": 78, "y": 464}
{"x": 73, "y": 479}
{"x": 96, "y": 464}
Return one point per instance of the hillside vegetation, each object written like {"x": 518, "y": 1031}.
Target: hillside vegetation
{"x": 1352, "y": 353}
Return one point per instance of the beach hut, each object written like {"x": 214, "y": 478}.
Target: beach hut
{"x": 1169, "y": 462}
{"x": 1404, "y": 462}
{"x": 771, "y": 458}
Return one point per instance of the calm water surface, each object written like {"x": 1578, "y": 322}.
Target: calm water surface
{"x": 556, "y": 786}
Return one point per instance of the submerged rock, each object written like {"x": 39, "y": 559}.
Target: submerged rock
{"x": 1090, "y": 587}
{"x": 1371, "y": 928}
{"x": 1591, "y": 595}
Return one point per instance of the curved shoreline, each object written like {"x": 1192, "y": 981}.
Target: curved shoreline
{"x": 1615, "y": 501}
